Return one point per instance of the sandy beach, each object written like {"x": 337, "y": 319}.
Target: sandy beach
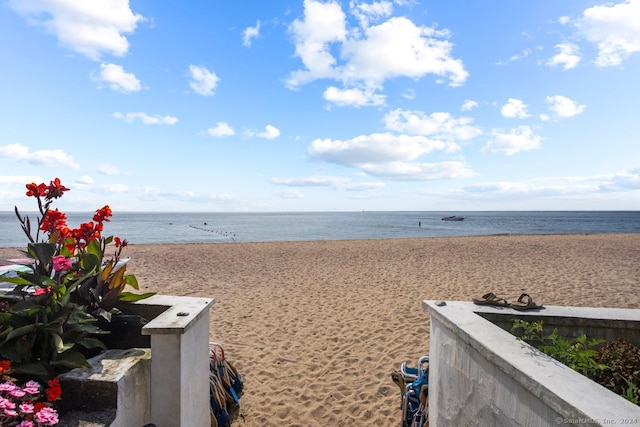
{"x": 317, "y": 327}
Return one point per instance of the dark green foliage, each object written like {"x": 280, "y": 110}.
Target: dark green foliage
{"x": 615, "y": 366}
{"x": 577, "y": 353}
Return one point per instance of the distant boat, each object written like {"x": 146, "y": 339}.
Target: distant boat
{"x": 453, "y": 218}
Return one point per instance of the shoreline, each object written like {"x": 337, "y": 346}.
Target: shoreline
{"x": 316, "y": 327}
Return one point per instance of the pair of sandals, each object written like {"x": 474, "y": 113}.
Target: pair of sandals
{"x": 525, "y": 302}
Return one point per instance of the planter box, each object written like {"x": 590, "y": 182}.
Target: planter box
{"x": 159, "y": 375}
{"x": 481, "y": 375}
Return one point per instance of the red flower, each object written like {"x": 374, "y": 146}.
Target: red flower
{"x": 5, "y": 365}
{"x": 103, "y": 214}
{"x": 119, "y": 242}
{"x": 42, "y": 291}
{"x": 86, "y": 232}
{"x": 37, "y": 407}
{"x": 36, "y": 190}
{"x": 55, "y": 189}
{"x": 54, "y": 220}
{"x": 54, "y": 392}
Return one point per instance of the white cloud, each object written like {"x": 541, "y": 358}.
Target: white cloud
{"x": 407, "y": 171}
{"x": 118, "y": 79}
{"x": 371, "y": 12}
{"x": 409, "y": 94}
{"x": 468, "y": 105}
{"x": 270, "y": 132}
{"x": 439, "y": 125}
{"x": 84, "y": 180}
{"x": 399, "y": 48}
{"x": 203, "y": 81}
{"x": 311, "y": 181}
{"x": 514, "y": 108}
{"x": 353, "y": 97}
{"x": 559, "y": 186}
{"x": 370, "y": 54}
{"x": 389, "y": 155}
{"x": 107, "y": 169}
{"x": 337, "y": 183}
{"x": 614, "y": 29}
{"x": 146, "y": 119}
{"x": 40, "y": 157}
{"x": 19, "y": 180}
{"x": 513, "y": 58}
{"x": 113, "y": 188}
{"x": 564, "y": 107}
{"x": 375, "y": 148}
{"x": 221, "y": 129}
{"x": 291, "y": 194}
{"x": 512, "y": 142}
{"x": 250, "y": 33}
{"x": 324, "y": 23}
{"x": 91, "y": 28}
{"x": 568, "y": 56}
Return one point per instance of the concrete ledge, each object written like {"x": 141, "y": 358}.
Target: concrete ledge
{"x": 179, "y": 313}
{"x": 114, "y": 389}
{"x": 480, "y": 374}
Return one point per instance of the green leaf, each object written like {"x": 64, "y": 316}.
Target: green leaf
{"x": 10, "y": 353}
{"x": 43, "y": 252}
{"x": 57, "y": 342}
{"x": 5, "y": 332}
{"x": 131, "y": 297}
{"x": 95, "y": 249}
{"x": 36, "y": 369}
{"x": 131, "y": 280}
{"x": 90, "y": 262}
{"x": 23, "y": 330}
{"x": 71, "y": 359}
{"x": 16, "y": 280}
{"x": 92, "y": 343}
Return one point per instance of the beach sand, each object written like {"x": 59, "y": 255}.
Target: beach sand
{"x": 317, "y": 327}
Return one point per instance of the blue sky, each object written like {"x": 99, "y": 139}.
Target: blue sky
{"x": 292, "y": 105}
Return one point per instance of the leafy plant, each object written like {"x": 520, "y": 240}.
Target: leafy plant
{"x": 577, "y": 353}
{"x": 66, "y": 285}
{"x": 615, "y": 366}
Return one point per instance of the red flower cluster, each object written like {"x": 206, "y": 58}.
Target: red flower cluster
{"x": 49, "y": 192}
{"x": 54, "y": 392}
{"x": 54, "y": 221}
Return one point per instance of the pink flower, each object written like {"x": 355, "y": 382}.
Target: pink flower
{"x": 42, "y": 291}
{"x": 17, "y": 392}
{"x": 32, "y": 387}
{"x": 6, "y": 403}
{"x": 26, "y": 424}
{"x": 61, "y": 263}
{"x": 10, "y": 413}
{"x": 47, "y": 416}
{"x": 26, "y": 408}
{"x": 7, "y": 386}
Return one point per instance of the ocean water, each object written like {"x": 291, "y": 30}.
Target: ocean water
{"x": 143, "y": 228}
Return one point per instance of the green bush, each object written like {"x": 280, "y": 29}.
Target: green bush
{"x": 615, "y": 366}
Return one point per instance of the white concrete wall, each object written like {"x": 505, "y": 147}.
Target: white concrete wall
{"x": 180, "y": 363}
{"x": 481, "y": 375}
